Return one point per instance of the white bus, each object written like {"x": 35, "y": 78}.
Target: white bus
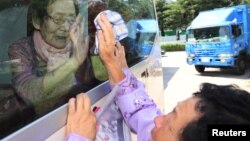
{"x": 30, "y": 111}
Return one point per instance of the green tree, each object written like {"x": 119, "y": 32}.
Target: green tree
{"x": 121, "y": 8}
{"x": 142, "y": 9}
{"x": 134, "y": 9}
{"x": 180, "y": 13}
{"x": 208, "y": 4}
{"x": 174, "y": 19}
{"x": 245, "y": 2}
{"x": 161, "y": 7}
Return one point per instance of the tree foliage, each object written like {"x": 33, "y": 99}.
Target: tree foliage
{"x": 180, "y": 13}
{"x": 126, "y": 11}
{"x": 133, "y": 9}
{"x": 161, "y": 7}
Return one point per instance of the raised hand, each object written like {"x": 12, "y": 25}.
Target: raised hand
{"x": 106, "y": 40}
{"x": 107, "y": 51}
{"x": 120, "y": 55}
{"x": 80, "y": 44}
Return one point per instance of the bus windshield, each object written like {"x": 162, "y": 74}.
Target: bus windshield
{"x": 210, "y": 34}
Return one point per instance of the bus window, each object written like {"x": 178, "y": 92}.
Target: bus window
{"x": 39, "y": 68}
{"x": 12, "y": 27}
{"x": 142, "y": 25}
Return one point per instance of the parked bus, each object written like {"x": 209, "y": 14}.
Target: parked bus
{"x": 28, "y": 111}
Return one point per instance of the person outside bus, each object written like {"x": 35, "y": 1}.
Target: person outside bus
{"x": 212, "y": 104}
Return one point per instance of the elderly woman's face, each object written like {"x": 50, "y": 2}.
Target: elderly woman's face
{"x": 169, "y": 127}
{"x": 55, "y": 28}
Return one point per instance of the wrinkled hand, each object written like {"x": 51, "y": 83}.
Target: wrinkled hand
{"x": 106, "y": 40}
{"x": 81, "y": 120}
{"x": 108, "y": 51}
{"x": 120, "y": 55}
{"x": 80, "y": 44}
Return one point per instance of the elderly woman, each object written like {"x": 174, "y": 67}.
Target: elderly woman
{"x": 188, "y": 121}
{"x": 54, "y": 61}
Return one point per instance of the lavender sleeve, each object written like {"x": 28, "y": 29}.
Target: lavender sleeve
{"x": 75, "y": 137}
{"x": 136, "y": 106}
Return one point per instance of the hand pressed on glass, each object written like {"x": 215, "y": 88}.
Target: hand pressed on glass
{"x": 79, "y": 113}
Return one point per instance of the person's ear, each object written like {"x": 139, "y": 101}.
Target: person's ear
{"x": 36, "y": 22}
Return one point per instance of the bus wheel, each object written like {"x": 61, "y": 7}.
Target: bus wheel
{"x": 200, "y": 69}
{"x": 241, "y": 66}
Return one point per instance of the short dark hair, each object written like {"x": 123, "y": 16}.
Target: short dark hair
{"x": 94, "y": 8}
{"x": 220, "y": 104}
{"x": 38, "y": 8}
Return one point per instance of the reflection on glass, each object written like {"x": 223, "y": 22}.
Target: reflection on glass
{"x": 54, "y": 61}
{"x": 13, "y": 112}
{"x": 48, "y": 66}
{"x": 140, "y": 20}
{"x": 44, "y": 58}
{"x": 210, "y": 34}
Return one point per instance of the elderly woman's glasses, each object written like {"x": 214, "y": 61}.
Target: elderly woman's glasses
{"x": 61, "y": 20}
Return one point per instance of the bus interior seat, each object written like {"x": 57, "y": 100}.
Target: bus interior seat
{"x": 13, "y": 26}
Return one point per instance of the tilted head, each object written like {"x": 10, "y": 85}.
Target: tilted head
{"x": 226, "y": 105}
{"x": 53, "y": 19}
{"x": 213, "y": 104}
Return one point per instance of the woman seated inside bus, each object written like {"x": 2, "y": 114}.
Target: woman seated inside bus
{"x": 55, "y": 61}
{"x": 189, "y": 120}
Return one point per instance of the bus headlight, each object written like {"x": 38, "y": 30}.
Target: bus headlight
{"x": 223, "y": 60}
{"x": 191, "y": 55}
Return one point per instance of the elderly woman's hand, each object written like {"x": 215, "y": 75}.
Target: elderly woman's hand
{"x": 80, "y": 44}
{"x": 81, "y": 120}
{"x": 108, "y": 52}
{"x": 106, "y": 40}
{"x": 120, "y": 55}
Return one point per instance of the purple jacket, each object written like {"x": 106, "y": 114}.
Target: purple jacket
{"x": 136, "y": 107}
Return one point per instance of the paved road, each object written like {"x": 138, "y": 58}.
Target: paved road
{"x": 181, "y": 79}
{"x": 172, "y": 39}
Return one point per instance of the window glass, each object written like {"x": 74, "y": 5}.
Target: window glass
{"x": 211, "y": 34}
{"x": 236, "y": 30}
{"x": 142, "y": 25}
{"x": 39, "y": 68}
{"x": 12, "y": 27}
